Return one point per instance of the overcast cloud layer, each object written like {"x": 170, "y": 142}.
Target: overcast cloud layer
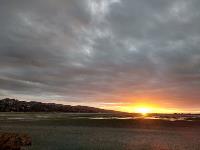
{"x": 101, "y": 50}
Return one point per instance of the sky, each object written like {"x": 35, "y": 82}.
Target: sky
{"x": 113, "y": 54}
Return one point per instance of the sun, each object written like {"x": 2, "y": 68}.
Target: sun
{"x": 143, "y": 110}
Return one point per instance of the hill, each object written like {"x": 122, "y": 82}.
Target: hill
{"x": 13, "y": 105}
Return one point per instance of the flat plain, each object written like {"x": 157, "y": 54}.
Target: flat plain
{"x": 61, "y": 131}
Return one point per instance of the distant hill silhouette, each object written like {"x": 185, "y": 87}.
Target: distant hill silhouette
{"x": 13, "y": 105}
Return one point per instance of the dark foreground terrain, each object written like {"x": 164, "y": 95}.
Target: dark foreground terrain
{"x": 60, "y": 131}
{"x": 14, "y": 141}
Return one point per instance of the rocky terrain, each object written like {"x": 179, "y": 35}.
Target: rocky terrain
{"x": 14, "y": 141}
{"x": 13, "y": 105}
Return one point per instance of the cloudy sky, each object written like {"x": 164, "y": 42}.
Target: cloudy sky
{"x": 104, "y": 53}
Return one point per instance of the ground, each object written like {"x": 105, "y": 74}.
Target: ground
{"x": 59, "y": 132}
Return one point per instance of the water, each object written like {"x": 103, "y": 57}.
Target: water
{"x": 49, "y": 116}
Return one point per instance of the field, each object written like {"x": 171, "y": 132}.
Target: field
{"x": 59, "y": 131}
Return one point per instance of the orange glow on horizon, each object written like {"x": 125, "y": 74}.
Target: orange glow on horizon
{"x": 144, "y": 108}
{"x": 139, "y": 105}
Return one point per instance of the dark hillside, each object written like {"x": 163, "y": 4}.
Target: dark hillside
{"x": 13, "y": 105}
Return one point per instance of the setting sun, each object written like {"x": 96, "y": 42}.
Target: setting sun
{"x": 143, "y": 110}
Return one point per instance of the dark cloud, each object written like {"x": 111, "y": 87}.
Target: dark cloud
{"x": 99, "y": 50}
